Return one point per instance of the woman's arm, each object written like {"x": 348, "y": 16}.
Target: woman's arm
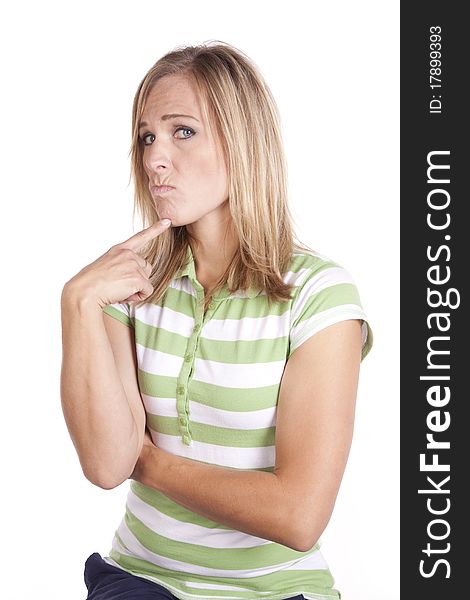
{"x": 313, "y": 436}
{"x": 99, "y": 392}
{"x": 98, "y": 386}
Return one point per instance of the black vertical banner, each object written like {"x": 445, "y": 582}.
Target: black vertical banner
{"x": 435, "y": 268}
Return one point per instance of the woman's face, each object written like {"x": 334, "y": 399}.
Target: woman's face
{"x": 179, "y": 151}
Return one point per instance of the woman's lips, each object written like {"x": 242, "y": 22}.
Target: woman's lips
{"x": 161, "y": 189}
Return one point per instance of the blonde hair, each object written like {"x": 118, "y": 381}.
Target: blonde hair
{"x": 239, "y": 107}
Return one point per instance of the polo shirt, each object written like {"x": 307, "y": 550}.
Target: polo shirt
{"x": 210, "y": 383}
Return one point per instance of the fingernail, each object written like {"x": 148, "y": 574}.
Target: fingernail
{"x": 165, "y": 221}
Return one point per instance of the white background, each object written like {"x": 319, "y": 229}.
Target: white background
{"x": 69, "y": 74}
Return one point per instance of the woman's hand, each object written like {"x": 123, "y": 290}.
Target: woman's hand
{"x": 119, "y": 275}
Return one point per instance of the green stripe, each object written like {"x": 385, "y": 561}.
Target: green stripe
{"x": 214, "y": 558}
{"x": 318, "y": 324}
{"x": 243, "y": 351}
{"x": 331, "y": 297}
{"x": 170, "y": 508}
{"x": 211, "y": 434}
{"x": 231, "y": 352}
{"x": 281, "y": 583}
{"x": 236, "y": 308}
{"x": 156, "y": 338}
{"x": 117, "y": 314}
{"x": 156, "y": 385}
{"x": 179, "y": 301}
{"x": 314, "y": 263}
{"x": 235, "y": 399}
{"x": 118, "y": 537}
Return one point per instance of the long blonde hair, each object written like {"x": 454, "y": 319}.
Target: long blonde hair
{"x": 238, "y": 105}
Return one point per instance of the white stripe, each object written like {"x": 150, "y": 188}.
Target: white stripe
{"x": 238, "y": 375}
{"x": 166, "y": 318}
{"x": 137, "y": 550}
{"x": 122, "y": 308}
{"x": 189, "y": 533}
{"x": 308, "y": 596}
{"x": 364, "y": 331}
{"x": 187, "y": 595}
{"x": 214, "y": 586}
{"x": 311, "y": 562}
{"x": 158, "y": 363}
{"x": 232, "y": 375}
{"x": 119, "y": 547}
{"x": 190, "y": 584}
{"x": 321, "y": 281}
{"x": 317, "y": 322}
{"x": 296, "y": 277}
{"x": 200, "y": 413}
{"x": 247, "y": 328}
{"x": 313, "y": 253}
{"x": 225, "y": 456}
{"x": 183, "y": 284}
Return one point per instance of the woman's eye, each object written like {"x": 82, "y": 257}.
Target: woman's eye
{"x": 146, "y": 139}
{"x": 185, "y": 129}
{"x": 188, "y": 133}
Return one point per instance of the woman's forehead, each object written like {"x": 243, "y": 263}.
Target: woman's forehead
{"x": 173, "y": 94}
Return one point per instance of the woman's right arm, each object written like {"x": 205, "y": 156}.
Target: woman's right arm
{"x": 100, "y": 397}
{"x": 103, "y": 412}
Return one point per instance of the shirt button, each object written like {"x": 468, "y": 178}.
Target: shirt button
{"x": 180, "y": 389}
{"x": 212, "y": 305}
{"x": 187, "y": 358}
{"x": 183, "y": 421}
{"x": 187, "y": 440}
{"x": 197, "y": 327}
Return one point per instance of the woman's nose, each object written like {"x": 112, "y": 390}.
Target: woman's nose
{"x": 157, "y": 156}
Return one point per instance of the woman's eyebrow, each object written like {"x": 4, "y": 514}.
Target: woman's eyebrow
{"x": 169, "y": 116}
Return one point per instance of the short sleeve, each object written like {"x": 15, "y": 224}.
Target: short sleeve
{"x": 123, "y": 312}
{"x": 327, "y": 296}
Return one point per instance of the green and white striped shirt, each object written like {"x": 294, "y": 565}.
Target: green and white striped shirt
{"x": 210, "y": 385}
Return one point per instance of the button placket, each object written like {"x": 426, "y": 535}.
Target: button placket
{"x": 182, "y": 399}
{"x": 210, "y": 310}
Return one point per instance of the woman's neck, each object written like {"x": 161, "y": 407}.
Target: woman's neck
{"x": 213, "y": 245}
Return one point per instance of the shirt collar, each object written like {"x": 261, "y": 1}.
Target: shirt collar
{"x": 189, "y": 270}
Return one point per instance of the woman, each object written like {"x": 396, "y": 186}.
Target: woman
{"x": 210, "y": 358}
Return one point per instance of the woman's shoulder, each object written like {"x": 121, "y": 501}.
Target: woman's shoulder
{"x": 325, "y": 293}
{"x": 308, "y": 264}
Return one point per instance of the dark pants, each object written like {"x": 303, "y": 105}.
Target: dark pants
{"x": 106, "y": 582}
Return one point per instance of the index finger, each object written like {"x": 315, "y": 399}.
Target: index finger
{"x": 138, "y": 240}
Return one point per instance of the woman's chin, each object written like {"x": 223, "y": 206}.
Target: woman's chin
{"x": 167, "y": 214}
{"x": 177, "y": 220}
